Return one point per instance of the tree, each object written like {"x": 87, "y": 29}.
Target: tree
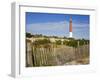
{"x": 28, "y": 35}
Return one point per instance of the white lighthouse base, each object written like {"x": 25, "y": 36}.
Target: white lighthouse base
{"x": 70, "y": 34}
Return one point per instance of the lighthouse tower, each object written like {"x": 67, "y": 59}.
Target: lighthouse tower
{"x": 70, "y": 28}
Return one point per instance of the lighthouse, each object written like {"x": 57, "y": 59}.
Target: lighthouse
{"x": 70, "y": 27}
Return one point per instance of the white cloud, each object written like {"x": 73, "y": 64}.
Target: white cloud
{"x": 48, "y": 28}
{"x": 58, "y": 28}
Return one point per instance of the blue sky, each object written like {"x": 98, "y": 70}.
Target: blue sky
{"x": 57, "y": 24}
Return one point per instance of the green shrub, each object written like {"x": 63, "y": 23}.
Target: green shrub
{"x": 41, "y": 42}
{"x": 58, "y": 42}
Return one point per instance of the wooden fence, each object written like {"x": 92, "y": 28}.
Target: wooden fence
{"x": 52, "y": 56}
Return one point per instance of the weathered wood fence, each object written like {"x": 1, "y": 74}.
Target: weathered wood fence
{"x": 52, "y": 56}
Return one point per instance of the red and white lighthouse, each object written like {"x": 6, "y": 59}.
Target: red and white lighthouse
{"x": 70, "y": 28}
